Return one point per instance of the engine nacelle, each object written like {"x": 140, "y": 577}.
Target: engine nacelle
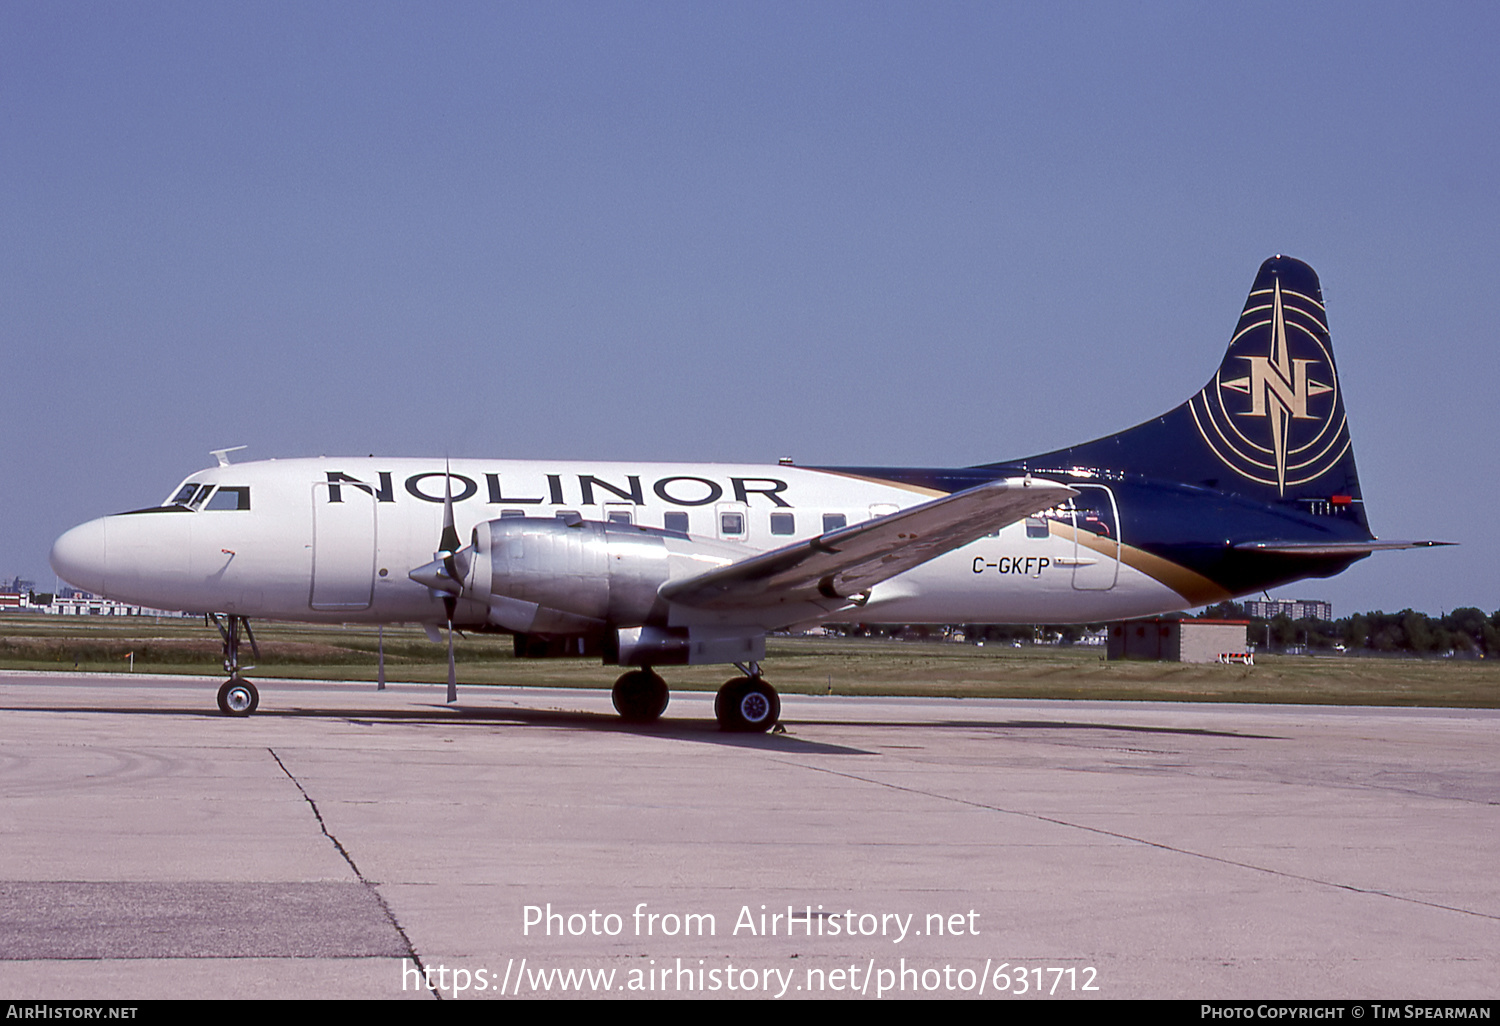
{"x": 682, "y": 646}
{"x": 552, "y": 576}
{"x": 579, "y": 587}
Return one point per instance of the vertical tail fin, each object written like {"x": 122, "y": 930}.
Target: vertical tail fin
{"x": 1274, "y": 413}
{"x": 1269, "y": 425}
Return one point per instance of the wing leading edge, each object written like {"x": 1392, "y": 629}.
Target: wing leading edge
{"x": 843, "y": 563}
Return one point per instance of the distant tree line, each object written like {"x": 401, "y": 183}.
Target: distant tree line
{"x": 1064, "y": 634}
{"x": 1463, "y": 632}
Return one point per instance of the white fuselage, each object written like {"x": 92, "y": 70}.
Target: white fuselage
{"x": 333, "y": 539}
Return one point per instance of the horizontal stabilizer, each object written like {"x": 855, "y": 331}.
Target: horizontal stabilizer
{"x": 853, "y": 559}
{"x": 1321, "y": 548}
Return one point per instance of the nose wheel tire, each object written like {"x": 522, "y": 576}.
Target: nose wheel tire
{"x": 640, "y": 696}
{"x": 747, "y": 705}
{"x": 238, "y": 697}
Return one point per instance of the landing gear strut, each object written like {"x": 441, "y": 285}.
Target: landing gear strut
{"x": 237, "y": 696}
{"x": 747, "y": 704}
{"x": 640, "y": 696}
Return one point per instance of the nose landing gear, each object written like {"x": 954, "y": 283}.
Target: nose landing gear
{"x": 237, "y": 696}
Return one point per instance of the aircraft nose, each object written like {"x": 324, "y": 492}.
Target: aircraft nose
{"x": 78, "y": 556}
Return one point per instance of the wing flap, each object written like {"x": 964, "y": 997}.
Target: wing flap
{"x": 851, "y": 560}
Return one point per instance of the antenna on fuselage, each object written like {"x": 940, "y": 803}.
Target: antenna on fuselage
{"x": 222, "y": 455}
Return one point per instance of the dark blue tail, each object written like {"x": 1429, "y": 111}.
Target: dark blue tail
{"x": 1269, "y": 425}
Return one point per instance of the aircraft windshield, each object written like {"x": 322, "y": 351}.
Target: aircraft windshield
{"x": 230, "y": 498}
{"x": 194, "y": 495}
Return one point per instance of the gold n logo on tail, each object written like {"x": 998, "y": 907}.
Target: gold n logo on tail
{"x": 1278, "y": 387}
{"x": 1284, "y": 438}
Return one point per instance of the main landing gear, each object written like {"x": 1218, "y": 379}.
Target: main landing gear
{"x": 237, "y": 696}
{"x": 747, "y": 704}
{"x": 744, "y": 705}
{"x": 640, "y": 696}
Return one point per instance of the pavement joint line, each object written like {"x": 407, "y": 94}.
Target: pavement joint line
{"x": 1149, "y": 843}
{"x": 390, "y": 914}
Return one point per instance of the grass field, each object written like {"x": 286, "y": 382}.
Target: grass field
{"x": 793, "y": 665}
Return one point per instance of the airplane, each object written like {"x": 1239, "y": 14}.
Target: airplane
{"x": 1247, "y": 485}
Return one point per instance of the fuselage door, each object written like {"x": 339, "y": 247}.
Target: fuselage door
{"x": 343, "y": 547}
{"x": 1096, "y": 538}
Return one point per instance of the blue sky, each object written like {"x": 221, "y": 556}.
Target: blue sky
{"x": 924, "y": 233}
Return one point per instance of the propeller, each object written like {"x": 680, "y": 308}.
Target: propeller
{"x": 448, "y": 553}
{"x": 446, "y": 573}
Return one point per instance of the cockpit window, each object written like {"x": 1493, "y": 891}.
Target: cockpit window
{"x": 230, "y": 498}
{"x": 194, "y": 496}
{"x": 190, "y": 497}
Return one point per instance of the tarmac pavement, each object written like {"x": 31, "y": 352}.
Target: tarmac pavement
{"x": 342, "y": 842}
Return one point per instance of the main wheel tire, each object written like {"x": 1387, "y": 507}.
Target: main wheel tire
{"x": 721, "y": 700}
{"x": 747, "y": 705}
{"x": 238, "y": 697}
{"x": 640, "y": 696}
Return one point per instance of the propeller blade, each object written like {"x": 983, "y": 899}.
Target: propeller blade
{"x": 452, "y": 671}
{"x": 452, "y": 586}
{"x": 449, "y": 543}
{"x": 380, "y": 677}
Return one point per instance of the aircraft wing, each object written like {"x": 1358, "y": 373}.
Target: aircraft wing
{"x": 853, "y": 559}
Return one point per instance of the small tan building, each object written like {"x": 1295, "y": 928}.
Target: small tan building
{"x": 1178, "y": 641}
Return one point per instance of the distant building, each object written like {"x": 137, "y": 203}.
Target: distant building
{"x": 1292, "y": 609}
{"x": 1177, "y": 641}
{"x": 81, "y": 603}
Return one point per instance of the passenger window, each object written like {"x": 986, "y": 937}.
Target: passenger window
{"x": 511, "y": 514}
{"x": 833, "y": 521}
{"x": 230, "y": 498}
{"x": 619, "y": 516}
{"x": 676, "y": 520}
{"x": 1036, "y": 527}
{"x": 732, "y": 523}
{"x": 783, "y": 523}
